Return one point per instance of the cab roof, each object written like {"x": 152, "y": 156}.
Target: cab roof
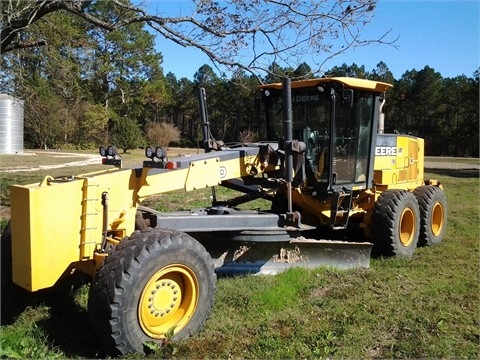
{"x": 347, "y": 81}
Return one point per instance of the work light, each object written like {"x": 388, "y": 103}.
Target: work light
{"x": 112, "y": 150}
{"x": 160, "y": 153}
{"x": 149, "y": 152}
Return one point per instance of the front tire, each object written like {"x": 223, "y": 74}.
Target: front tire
{"x": 396, "y": 224}
{"x": 156, "y": 284}
{"x": 433, "y": 214}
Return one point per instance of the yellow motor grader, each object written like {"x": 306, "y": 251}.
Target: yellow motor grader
{"x": 328, "y": 169}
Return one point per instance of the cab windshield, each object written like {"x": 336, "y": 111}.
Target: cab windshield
{"x": 312, "y": 124}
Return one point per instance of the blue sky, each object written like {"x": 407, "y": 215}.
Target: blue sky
{"x": 443, "y": 34}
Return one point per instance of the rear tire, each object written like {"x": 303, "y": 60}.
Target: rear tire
{"x": 156, "y": 284}
{"x": 396, "y": 224}
{"x": 433, "y": 214}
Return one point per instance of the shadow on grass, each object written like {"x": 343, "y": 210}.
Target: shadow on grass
{"x": 67, "y": 327}
{"x": 461, "y": 173}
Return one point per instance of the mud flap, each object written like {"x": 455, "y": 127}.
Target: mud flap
{"x": 273, "y": 258}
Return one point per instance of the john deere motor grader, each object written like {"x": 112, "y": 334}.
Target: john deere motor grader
{"x": 325, "y": 165}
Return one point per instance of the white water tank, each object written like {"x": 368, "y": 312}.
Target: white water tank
{"x": 11, "y": 125}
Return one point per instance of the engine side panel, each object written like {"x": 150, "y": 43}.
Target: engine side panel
{"x": 399, "y": 161}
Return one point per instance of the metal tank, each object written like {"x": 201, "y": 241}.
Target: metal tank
{"x": 11, "y": 125}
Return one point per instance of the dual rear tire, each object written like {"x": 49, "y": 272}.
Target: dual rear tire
{"x": 433, "y": 214}
{"x": 403, "y": 220}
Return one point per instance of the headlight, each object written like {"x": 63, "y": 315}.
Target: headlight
{"x": 112, "y": 150}
{"x": 148, "y": 152}
{"x": 160, "y": 153}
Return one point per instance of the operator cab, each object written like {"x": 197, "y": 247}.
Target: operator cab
{"x": 337, "y": 119}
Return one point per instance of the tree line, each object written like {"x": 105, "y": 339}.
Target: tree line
{"x": 90, "y": 86}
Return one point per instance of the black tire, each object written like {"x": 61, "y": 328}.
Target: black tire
{"x": 396, "y": 224}
{"x": 433, "y": 214}
{"x": 155, "y": 284}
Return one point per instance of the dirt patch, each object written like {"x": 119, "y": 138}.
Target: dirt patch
{"x": 77, "y": 160}
{"x": 451, "y": 165}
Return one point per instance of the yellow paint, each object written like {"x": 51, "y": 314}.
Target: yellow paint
{"x": 168, "y": 301}
{"x": 349, "y": 82}
{"x": 59, "y": 225}
{"x": 437, "y": 218}
{"x": 46, "y": 222}
{"x": 407, "y": 227}
{"x": 404, "y": 170}
{"x": 55, "y": 224}
{"x": 202, "y": 174}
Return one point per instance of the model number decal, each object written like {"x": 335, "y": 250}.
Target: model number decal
{"x": 385, "y": 150}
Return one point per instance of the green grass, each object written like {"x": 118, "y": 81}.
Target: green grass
{"x": 182, "y": 201}
{"x": 26, "y": 339}
{"x": 424, "y": 307}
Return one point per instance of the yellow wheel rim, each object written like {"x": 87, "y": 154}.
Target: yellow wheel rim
{"x": 168, "y": 301}
{"x": 407, "y": 227}
{"x": 437, "y": 219}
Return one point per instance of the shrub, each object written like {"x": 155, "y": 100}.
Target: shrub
{"x": 162, "y": 134}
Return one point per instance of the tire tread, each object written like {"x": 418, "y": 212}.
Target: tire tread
{"x": 106, "y": 292}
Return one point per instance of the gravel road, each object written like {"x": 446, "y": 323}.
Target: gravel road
{"x": 77, "y": 160}
{"x": 451, "y": 165}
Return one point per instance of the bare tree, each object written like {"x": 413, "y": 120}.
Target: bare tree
{"x": 245, "y": 34}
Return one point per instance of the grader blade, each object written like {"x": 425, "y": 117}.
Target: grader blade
{"x": 273, "y": 258}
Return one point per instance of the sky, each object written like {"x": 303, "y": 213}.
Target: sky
{"x": 441, "y": 34}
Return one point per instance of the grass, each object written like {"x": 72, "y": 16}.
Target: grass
{"x": 27, "y": 339}
{"x": 424, "y": 307}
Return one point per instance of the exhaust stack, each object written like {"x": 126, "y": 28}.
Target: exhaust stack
{"x": 381, "y": 117}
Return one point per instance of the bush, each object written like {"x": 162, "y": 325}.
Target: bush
{"x": 162, "y": 134}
